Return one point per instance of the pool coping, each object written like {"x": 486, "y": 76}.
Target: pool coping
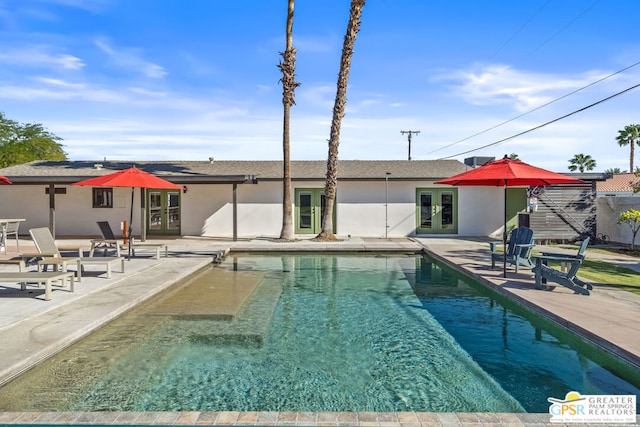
{"x": 328, "y": 419}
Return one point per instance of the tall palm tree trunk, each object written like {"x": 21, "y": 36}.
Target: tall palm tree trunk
{"x": 353, "y": 27}
{"x": 288, "y": 87}
{"x": 629, "y": 135}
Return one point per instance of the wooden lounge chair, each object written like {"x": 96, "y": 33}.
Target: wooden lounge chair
{"x": 519, "y": 247}
{"x": 38, "y": 277}
{"x": 157, "y": 247}
{"x": 108, "y": 241}
{"x": 48, "y": 250}
{"x": 565, "y": 277}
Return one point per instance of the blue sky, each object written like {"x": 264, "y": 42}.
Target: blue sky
{"x": 193, "y": 79}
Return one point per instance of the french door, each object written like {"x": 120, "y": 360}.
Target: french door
{"x": 309, "y": 210}
{"x": 437, "y": 211}
{"x": 163, "y": 212}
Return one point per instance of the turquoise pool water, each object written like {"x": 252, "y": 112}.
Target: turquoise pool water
{"x": 324, "y": 333}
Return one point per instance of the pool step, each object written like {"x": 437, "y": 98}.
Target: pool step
{"x": 215, "y": 294}
{"x": 250, "y": 326}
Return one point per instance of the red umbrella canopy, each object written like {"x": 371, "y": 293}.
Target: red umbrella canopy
{"x": 4, "y": 180}
{"x": 132, "y": 177}
{"x": 505, "y": 173}
{"x": 508, "y": 172}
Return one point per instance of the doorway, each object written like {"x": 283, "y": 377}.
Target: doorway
{"x": 436, "y": 211}
{"x": 163, "y": 212}
{"x": 309, "y": 209}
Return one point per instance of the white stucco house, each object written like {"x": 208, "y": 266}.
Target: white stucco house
{"x": 243, "y": 199}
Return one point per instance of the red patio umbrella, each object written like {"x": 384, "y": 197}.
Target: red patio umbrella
{"x": 132, "y": 177}
{"x": 4, "y": 180}
{"x": 508, "y": 173}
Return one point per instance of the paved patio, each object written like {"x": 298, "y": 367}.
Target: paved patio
{"x": 31, "y": 328}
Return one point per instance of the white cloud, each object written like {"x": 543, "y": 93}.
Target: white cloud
{"x": 319, "y": 95}
{"x": 95, "y": 6}
{"x": 60, "y": 83}
{"x": 59, "y": 91}
{"x": 41, "y": 56}
{"x": 130, "y": 59}
{"x": 521, "y": 90}
{"x": 323, "y": 44}
{"x": 264, "y": 88}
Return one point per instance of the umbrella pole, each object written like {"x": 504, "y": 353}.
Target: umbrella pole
{"x": 130, "y": 226}
{"x": 504, "y": 234}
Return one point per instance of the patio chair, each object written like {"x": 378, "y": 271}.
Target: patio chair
{"x": 563, "y": 276}
{"x": 518, "y": 250}
{"x": 7, "y": 229}
{"x": 108, "y": 241}
{"x": 46, "y": 245}
{"x": 47, "y": 248}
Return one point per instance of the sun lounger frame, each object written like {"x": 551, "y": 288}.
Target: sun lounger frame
{"x": 47, "y": 278}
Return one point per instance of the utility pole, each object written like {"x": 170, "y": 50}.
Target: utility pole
{"x": 409, "y": 133}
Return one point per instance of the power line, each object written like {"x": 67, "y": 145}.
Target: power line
{"x": 570, "y": 22}
{"x": 545, "y": 124}
{"x": 521, "y": 28}
{"x": 535, "y": 109}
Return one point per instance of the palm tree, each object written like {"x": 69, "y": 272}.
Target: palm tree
{"x": 288, "y": 87}
{"x": 613, "y": 170}
{"x": 582, "y": 162}
{"x": 353, "y": 26}
{"x": 629, "y": 135}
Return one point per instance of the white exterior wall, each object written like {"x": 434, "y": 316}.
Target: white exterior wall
{"x": 74, "y": 213}
{"x": 207, "y": 209}
{"x": 361, "y": 209}
{"x": 608, "y": 212}
{"x": 480, "y": 211}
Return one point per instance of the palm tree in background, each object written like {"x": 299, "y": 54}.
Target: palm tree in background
{"x": 582, "y": 162}
{"x": 629, "y": 135}
{"x": 331, "y": 185}
{"x": 289, "y": 84}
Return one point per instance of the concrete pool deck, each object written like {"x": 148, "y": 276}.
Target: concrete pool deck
{"x": 31, "y": 328}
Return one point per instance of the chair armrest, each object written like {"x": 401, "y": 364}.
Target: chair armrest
{"x": 71, "y": 249}
{"x": 38, "y": 255}
{"x": 541, "y": 258}
{"x": 494, "y": 245}
{"x": 525, "y": 245}
{"x": 556, "y": 255}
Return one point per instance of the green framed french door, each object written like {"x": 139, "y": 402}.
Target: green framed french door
{"x": 309, "y": 208}
{"x": 437, "y": 210}
{"x": 163, "y": 212}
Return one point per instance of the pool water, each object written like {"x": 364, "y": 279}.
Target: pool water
{"x": 323, "y": 333}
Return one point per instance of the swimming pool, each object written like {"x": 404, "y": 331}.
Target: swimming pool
{"x": 321, "y": 333}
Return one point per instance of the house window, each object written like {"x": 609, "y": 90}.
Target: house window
{"x": 103, "y": 197}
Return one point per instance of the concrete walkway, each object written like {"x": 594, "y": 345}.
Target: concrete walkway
{"x": 31, "y": 328}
